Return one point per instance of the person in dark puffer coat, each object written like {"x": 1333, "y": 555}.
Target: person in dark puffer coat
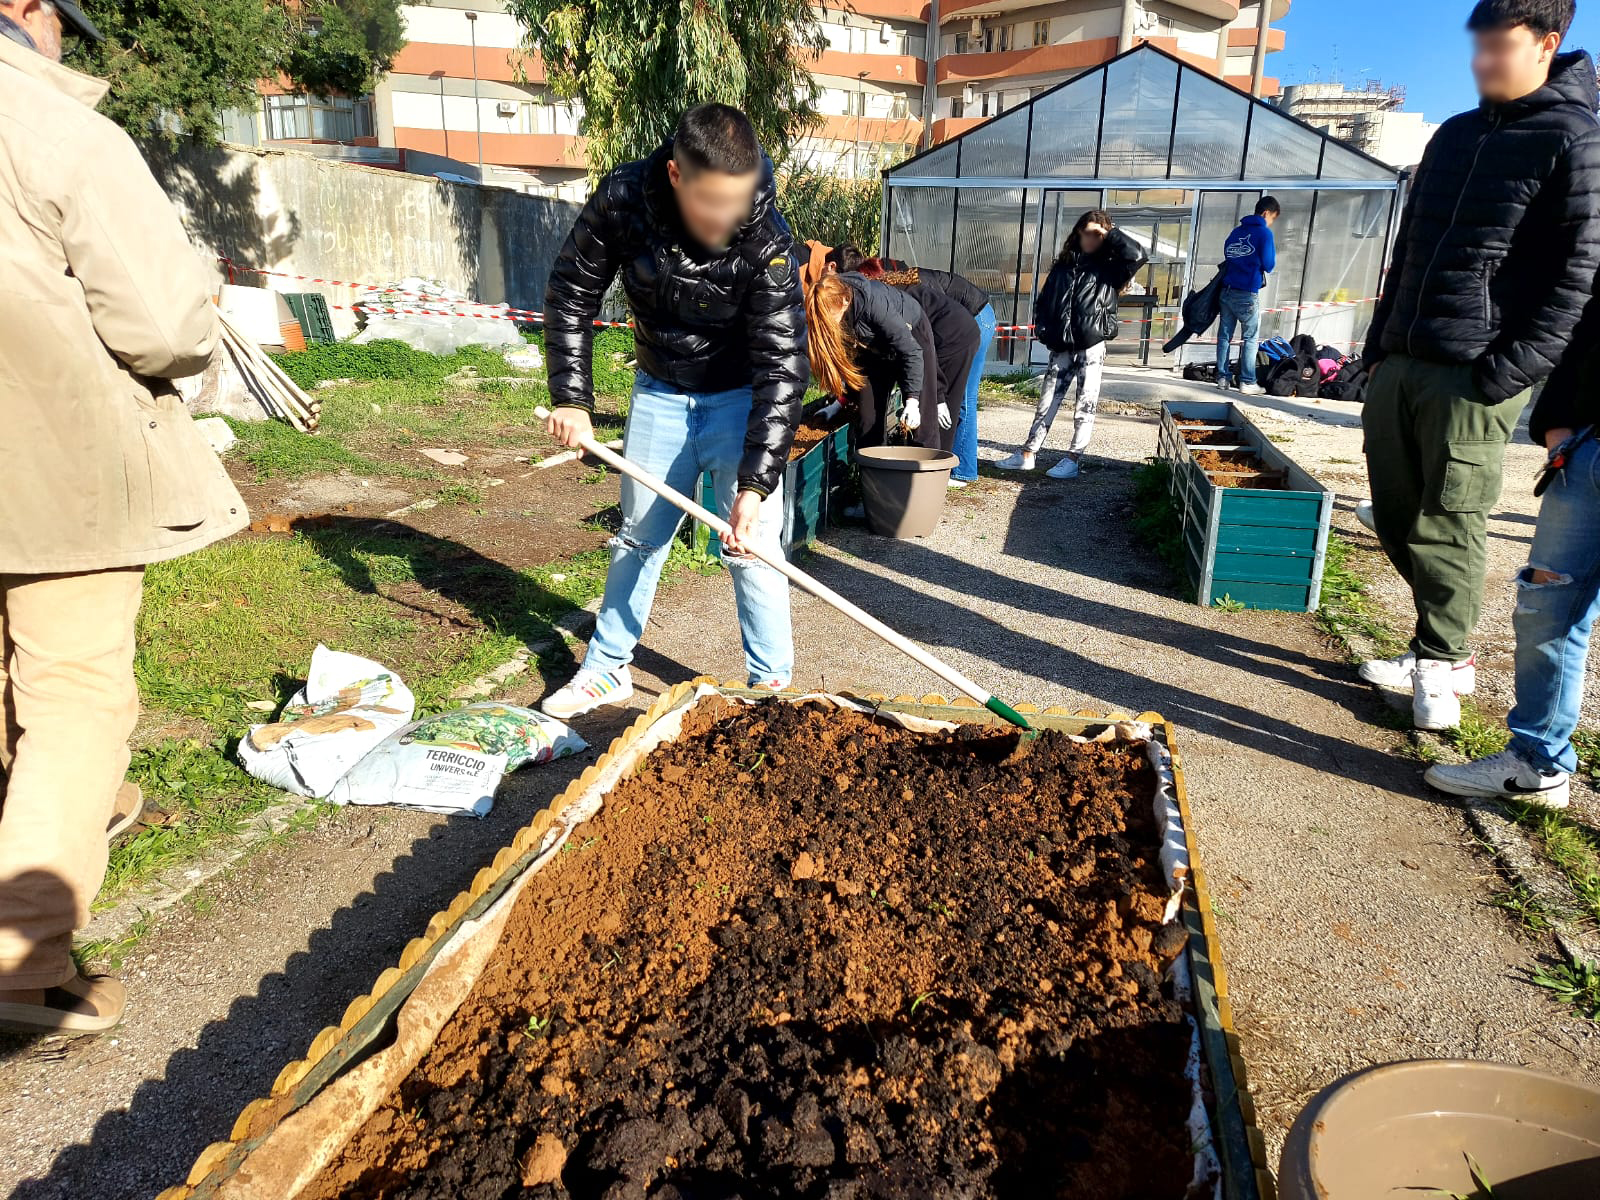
{"x": 713, "y": 284}
{"x": 1493, "y": 262}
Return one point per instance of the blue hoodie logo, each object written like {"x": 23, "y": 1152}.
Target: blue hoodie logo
{"x": 1240, "y": 247}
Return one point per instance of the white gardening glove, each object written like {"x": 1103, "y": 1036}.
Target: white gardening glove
{"x": 944, "y": 417}
{"x": 912, "y": 416}
{"x": 829, "y": 411}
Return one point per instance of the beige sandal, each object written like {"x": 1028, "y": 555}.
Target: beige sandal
{"x": 83, "y": 1004}
{"x": 127, "y": 811}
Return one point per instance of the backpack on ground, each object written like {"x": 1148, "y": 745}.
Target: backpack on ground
{"x": 1275, "y": 350}
{"x": 1299, "y": 374}
{"x": 1200, "y": 372}
{"x": 1349, "y": 385}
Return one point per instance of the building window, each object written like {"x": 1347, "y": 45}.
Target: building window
{"x": 335, "y": 119}
{"x": 961, "y": 43}
{"x": 958, "y": 107}
{"x": 1041, "y": 33}
{"x": 899, "y": 107}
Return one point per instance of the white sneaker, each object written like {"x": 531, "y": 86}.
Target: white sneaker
{"x": 1252, "y": 389}
{"x": 1434, "y": 703}
{"x": 1224, "y": 384}
{"x": 1396, "y": 673}
{"x": 1364, "y": 515}
{"x": 1020, "y": 461}
{"x": 957, "y": 484}
{"x": 1504, "y": 776}
{"x": 588, "y": 691}
{"x": 1067, "y": 468}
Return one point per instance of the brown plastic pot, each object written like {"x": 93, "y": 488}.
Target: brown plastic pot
{"x": 1409, "y": 1129}
{"x": 903, "y": 488}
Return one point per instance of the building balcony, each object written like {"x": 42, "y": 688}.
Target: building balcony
{"x": 1276, "y": 39}
{"x": 903, "y": 10}
{"x": 891, "y": 131}
{"x": 530, "y": 150}
{"x": 1222, "y": 10}
{"x": 946, "y": 128}
{"x": 1035, "y": 60}
{"x": 877, "y": 68}
{"x": 496, "y": 63}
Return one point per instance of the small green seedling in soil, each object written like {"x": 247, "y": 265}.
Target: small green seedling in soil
{"x": 595, "y": 476}
{"x": 1229, "y": 605}
{"x": 918, "y": 1002}
{"x": 537, "y": 1025}
{"x": 1482, "y": 1189}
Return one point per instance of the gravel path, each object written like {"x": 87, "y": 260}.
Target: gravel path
{"x": 1353, "y": 906}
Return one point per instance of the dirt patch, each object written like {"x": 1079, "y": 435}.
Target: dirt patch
{"x": 1237, "y": 469}
{"x": 812, "y": 432}
{"x": 803, "y": 953}
{"x": 1200, "y": 433}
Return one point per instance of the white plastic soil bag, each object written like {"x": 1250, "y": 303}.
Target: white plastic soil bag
{"x": 453, "y": 762}
{"x": 348, "y": 705}
{"x": 427, "y": 315}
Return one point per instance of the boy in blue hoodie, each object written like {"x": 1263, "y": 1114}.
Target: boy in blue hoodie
{"x": 1250, "y": 255}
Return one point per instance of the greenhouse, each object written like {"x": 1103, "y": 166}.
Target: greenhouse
{"x": 1176, "y": 157}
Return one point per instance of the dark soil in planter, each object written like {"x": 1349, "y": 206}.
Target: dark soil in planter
{"x": 803, "y": 953}
{"x": 1237, "y": 469}
{"x": 1195, "y": 433}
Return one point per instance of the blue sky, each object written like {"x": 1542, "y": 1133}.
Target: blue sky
{"x": 1419, "y": 43}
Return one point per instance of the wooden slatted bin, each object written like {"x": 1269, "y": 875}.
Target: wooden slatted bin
{"x": 1255, "y": 523}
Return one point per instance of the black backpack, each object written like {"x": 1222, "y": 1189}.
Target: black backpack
{"x": 1298, "y": 375}
{"x": 1201, "y": 372}
{"x": 1349, "y": 385}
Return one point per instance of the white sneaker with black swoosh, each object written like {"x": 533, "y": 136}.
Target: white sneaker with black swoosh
{"x": 1503, "y": 776}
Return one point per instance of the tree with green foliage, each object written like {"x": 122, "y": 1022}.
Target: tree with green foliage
{"x": 175, "y": 65}
{"x": 637, "y": 64}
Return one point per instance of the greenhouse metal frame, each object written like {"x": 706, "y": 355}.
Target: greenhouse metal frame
{"x": 1176, "y": 157}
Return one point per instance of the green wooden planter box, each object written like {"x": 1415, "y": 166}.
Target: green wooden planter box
{"x": 1257, "y": 547}
{"x": 809, "y": 483}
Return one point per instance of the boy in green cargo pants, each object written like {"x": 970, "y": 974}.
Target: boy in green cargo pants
{"x": 1493, "y": 262}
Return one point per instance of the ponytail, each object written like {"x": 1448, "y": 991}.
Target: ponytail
{"x": 833, "y": 363}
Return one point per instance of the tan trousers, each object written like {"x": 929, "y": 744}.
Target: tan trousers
{"x": 67, "y": 706}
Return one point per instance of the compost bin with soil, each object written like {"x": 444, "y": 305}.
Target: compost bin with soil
{"x": 805, "y": 952}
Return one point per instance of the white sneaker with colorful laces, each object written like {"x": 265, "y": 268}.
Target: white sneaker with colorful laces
{"x": 1503, "y": 776}
{"x": 588, "y": 691}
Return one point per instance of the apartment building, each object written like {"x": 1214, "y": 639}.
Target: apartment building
{"x": 895, "y": 76}
{"x": 1371, "y": 118}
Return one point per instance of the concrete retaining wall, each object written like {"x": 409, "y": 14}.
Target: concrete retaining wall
{"x": 287, "y": 210}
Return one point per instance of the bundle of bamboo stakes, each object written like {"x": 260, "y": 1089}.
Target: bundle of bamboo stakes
{"x": 279, "y": 396}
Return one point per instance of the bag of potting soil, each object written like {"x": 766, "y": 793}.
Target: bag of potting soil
{"x": 453, "y": 762}
{"x": 348, "y": 705}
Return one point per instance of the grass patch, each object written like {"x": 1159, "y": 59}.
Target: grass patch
{"x": 1156, "y": 523}
{"x": 1477, "y": 736}
{"x": 278, "y": 451}
{"x": 1587, "y": 744}
{"x": 1523, "y": 905}
{"x": 1571, "y": 847}
{"x": 1576, "y": 984}
{"x": 1345, "y": 611}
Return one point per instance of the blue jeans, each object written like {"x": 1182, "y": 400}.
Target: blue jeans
{"x": 678, "y": 436}
{"x": 1244, "y": 310}
{"x": 1553, "y": 620}
{"x": 966, "y": 447}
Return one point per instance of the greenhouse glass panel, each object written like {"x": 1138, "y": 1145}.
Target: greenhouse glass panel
{"x": 1345, "y": 266}
{"x": 1209, "y": 140}
{"x": 997, "y": 147}
{"x": 989, "y": 228}
{"x": 1280, "y": 148}
{"x": 1066, "y": 128}
{"x": 1343, "y": 164}
{"x": 1136, "y": 131}
{"x": 921, "y": 220}
{"x": 940, "y": 161}
{"x": 1292, "y": 232}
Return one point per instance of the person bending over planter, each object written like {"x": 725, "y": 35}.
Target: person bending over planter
{"x": 956, "y": 339}
{"x": 710, "y": 273}
{"x": 1075, "y": 316}
{"x": 1494, "y": 260}
{"x": 972, "y": 298}
{"x": 865, "y": 337}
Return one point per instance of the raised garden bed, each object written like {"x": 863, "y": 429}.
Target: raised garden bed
{"x": 936, "y": 968}
{"x": 819, "y": 465}
{"x": 1255, "y": 524}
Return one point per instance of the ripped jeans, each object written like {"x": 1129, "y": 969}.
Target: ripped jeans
{"x": 676, "y": 437}
{"x": 1554, "y": 616}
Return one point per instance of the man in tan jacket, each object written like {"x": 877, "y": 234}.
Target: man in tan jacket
{"x": 101, "y": 471}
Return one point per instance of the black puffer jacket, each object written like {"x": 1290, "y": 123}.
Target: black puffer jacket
{"x": 880, "y": 319}
{"x": 1571, "y": 398}
{"x": 958, "y": 287}
{"x": 704, "y": 320}
{"x": 1497, "y": 250}
{"x": 1077, "y": 307}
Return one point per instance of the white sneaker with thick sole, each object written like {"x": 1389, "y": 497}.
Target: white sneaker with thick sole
{"x": 1067, "y": 468}
{"x": 1397, "y": 672}
{"x": 1252, "y": 389}
{"x": 588, "y": 691}
{"x": 1020, "y": 461}
{"x": 1434, "y": 703}
{"x": 1503, "y": 776}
